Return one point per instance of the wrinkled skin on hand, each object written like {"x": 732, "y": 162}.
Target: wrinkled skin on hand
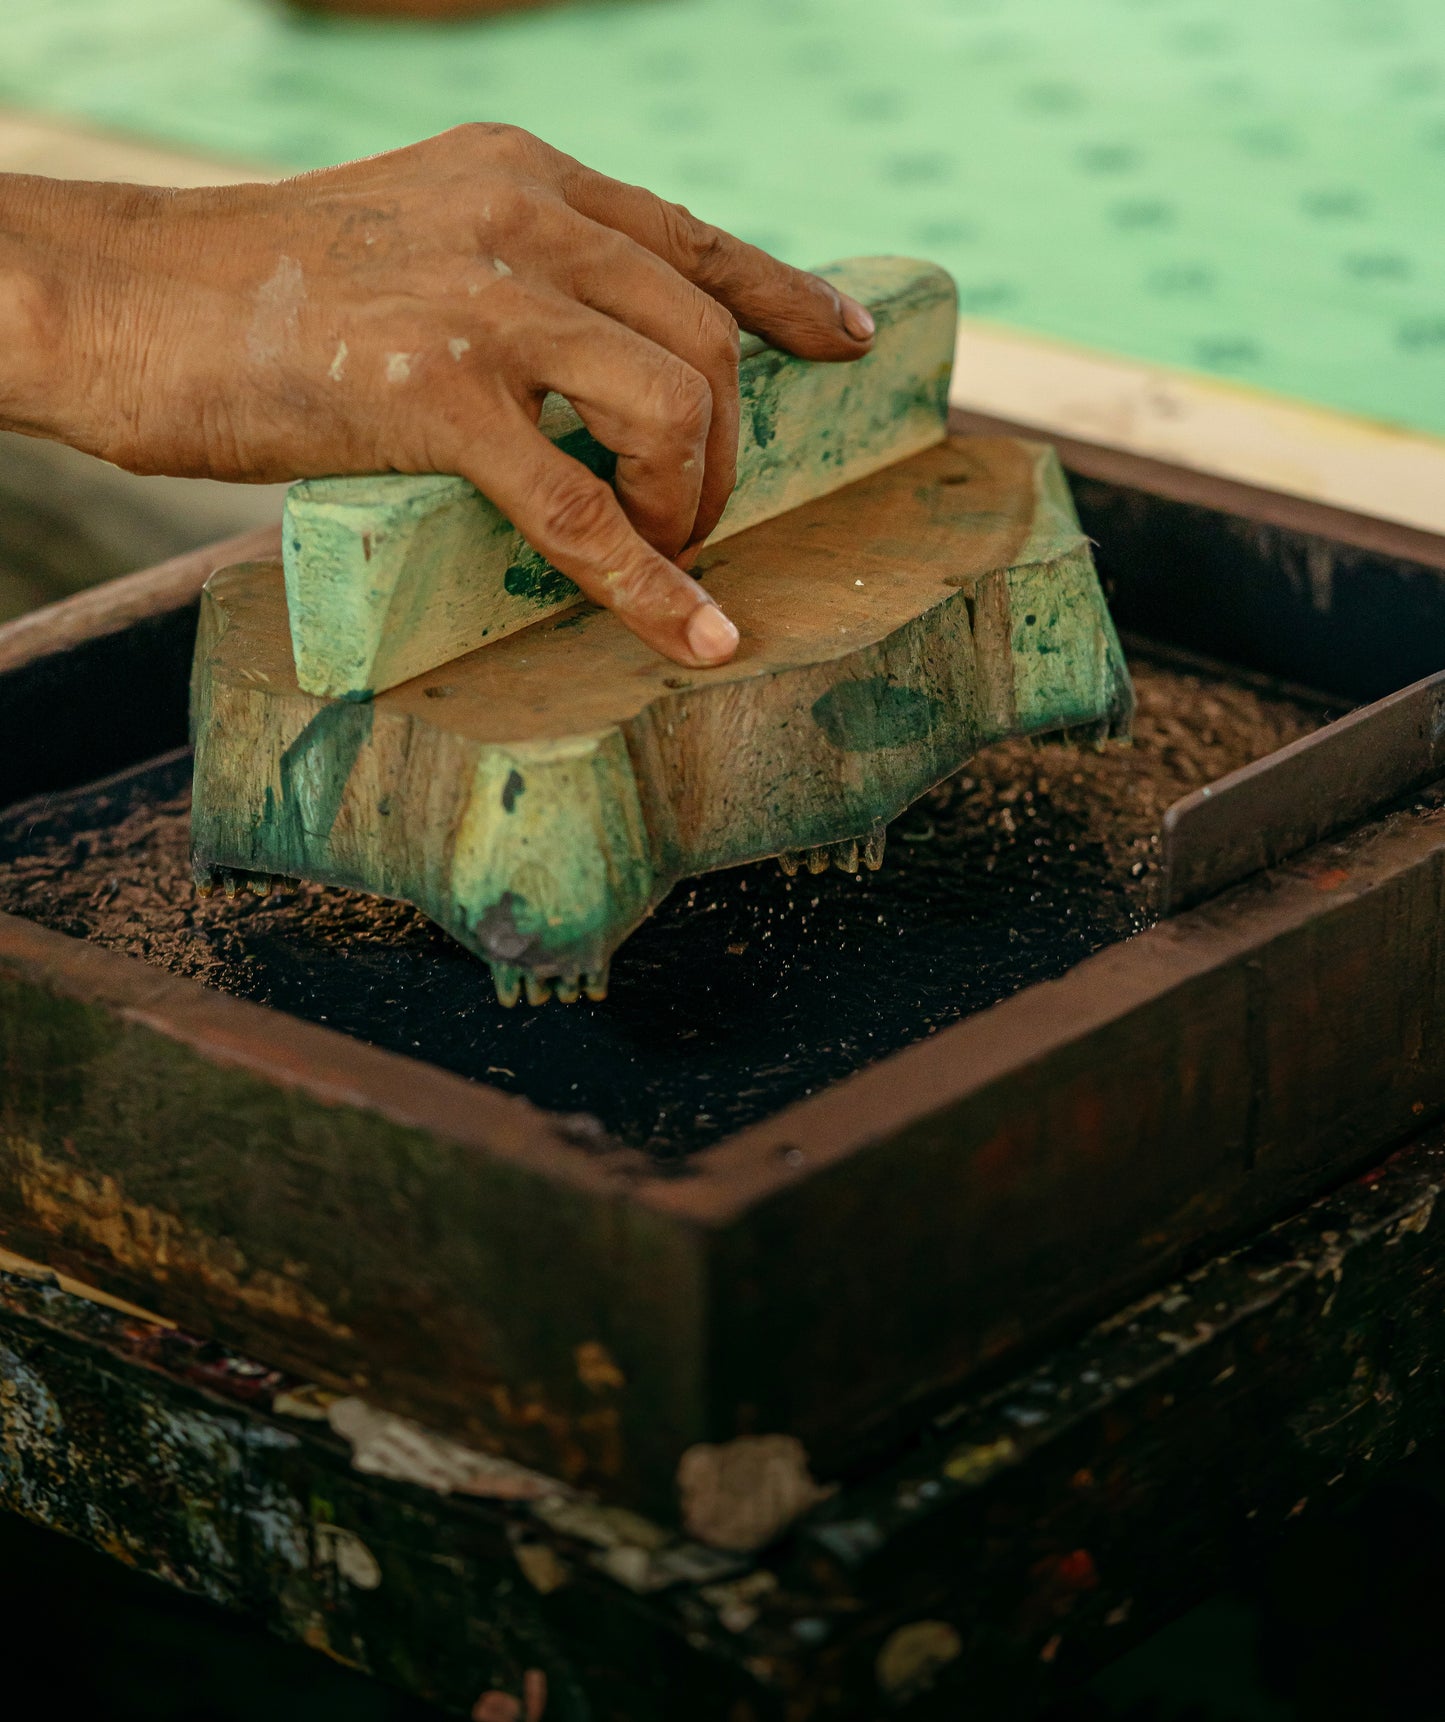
{"x": 409, "y": 313}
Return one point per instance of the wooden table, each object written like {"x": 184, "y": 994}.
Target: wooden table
{"x": 1037, "y": 1530}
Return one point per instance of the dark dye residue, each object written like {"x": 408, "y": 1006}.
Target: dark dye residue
{"x": 534, "y": 578}
{"x": 862, "y": 716}
{"x": 498, "y": 931}
{"x": 584, "y": 447}
{"x": 759, "y": 398}
{"x": 747, "y": 990}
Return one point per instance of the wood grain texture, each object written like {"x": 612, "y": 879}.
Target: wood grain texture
{"x": 1096, "y": 1495}
{"x": 1308, "y": 593}
{"x": 135, "y": 635}
{"x": 112, "y": 609}
{"x": 1321, "y": 521}
{"x": 540, "y": 797}
{"x": 1208, "y": 424}
{"x": 389, "y": 576}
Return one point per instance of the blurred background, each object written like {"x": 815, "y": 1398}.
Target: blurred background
{"x": 1247, "y": 189}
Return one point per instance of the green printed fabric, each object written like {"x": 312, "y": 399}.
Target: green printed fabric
{"x": 1253, "y": 188}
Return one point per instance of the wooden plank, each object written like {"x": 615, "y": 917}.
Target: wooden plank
{"x": 68, "y": 520}
{"x": 389, "y": 576}
{"x": 61, "y": 149}
{"x": 305, "y": 1195}
{"x": 116, "y": 608}
{"x": 136, "y": 636}
{"x": 1203, "y": 423}
{"x": 1298, "y": 590}
{"x": 1096, "y": 1495}
{"x": 1338, "y": 777}
{"x": 1305, "y": 517}
{"x": 539, "y": 798}
{"x": 1182, "y": 1434}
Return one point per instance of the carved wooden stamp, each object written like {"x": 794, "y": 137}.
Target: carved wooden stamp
{"x": 541, "y": 795}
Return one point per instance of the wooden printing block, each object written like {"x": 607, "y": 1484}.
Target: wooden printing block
{"x": 539, "y": 797}
{"x": 391, "y": 575}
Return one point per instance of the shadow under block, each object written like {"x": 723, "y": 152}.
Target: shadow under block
{"x": 391, "y": 575}
{"x": 540, "y": 797}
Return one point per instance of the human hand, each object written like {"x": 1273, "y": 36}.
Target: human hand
{"x": 409, "y": 313}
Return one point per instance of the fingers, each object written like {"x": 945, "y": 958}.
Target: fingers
{"x": 615, "y": 275}
{"x": 651, "y": 408}
{"x": 575, "y": 521}
{"x": 787, "y": 307}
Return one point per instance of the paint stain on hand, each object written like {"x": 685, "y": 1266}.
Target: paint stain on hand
{"x": 276, "y": 316}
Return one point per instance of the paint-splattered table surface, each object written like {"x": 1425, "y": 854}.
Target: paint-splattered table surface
{"x": 1248, "y": 191}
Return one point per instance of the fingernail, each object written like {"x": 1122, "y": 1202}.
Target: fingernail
{"x": 710, "y": 635}
{"x": 856, "y": 320}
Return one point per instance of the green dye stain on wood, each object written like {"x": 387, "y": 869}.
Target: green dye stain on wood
{"x": 863, "y": 716}
{"x": 316, "y": 767}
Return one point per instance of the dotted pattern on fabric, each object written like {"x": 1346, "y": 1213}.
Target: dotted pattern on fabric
{"x": 1251, "y": 190}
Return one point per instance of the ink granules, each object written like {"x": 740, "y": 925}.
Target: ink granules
{"x": 747, "y": 990}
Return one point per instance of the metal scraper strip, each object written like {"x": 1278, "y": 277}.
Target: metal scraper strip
{"x": 1264, "y": 813}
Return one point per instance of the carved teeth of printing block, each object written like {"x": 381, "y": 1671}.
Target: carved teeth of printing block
{"x": 873, "y": 845}
{"x": 514, "y": 983}
{"x": 232, "y": 881}
{"x": 846, "y": 854}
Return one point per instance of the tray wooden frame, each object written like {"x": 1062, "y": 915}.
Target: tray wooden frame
{"x": 372, "y": 1221}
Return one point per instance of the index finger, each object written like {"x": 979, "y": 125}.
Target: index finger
{"x": 577, "y": 523}
{"x": 788, "y": 307}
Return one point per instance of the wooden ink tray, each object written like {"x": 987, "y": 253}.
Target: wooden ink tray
{"x": 592, "y": 1291}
